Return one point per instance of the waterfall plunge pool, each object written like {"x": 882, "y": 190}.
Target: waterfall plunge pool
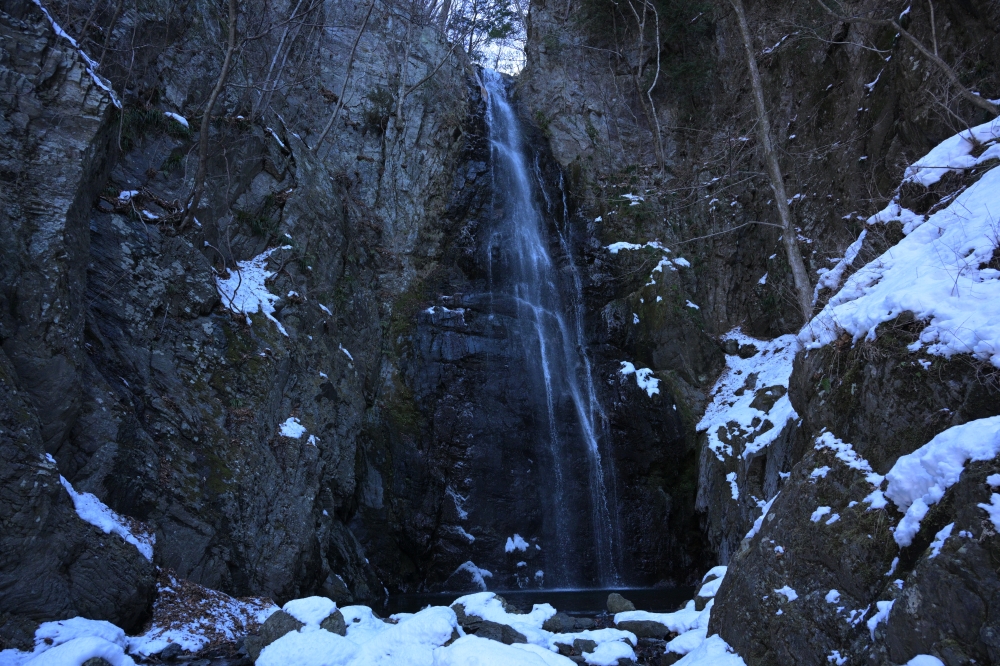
{"x": 584, "y": 603}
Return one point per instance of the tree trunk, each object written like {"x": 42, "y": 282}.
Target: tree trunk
{"x": 789, "y": 235}
{"x": 206, "y": 121}
{"x": 443, "y": 15}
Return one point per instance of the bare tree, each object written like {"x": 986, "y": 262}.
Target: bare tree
{"x": 206, "y": 121}
{"x": 946, "y": 69}
{"x": 789, "y": 235}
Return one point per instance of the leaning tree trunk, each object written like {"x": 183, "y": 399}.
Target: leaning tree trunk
{"x": 789, "y": 235}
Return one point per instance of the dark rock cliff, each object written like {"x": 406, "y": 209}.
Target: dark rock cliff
{"x": 120, "y": 359}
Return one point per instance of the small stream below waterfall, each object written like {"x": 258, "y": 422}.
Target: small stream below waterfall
{"x": 530, "y": 260}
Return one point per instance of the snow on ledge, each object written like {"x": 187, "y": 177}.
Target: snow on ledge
{"x": 244, "y": 291}
{"x": 91, "y": 66}
{"x": 919, "y": 480}
{"x": 97, "y": 513}
{"x": 734, "y": 396}
{"x": 643, "y": 377}
{"x": 938, "y": 271}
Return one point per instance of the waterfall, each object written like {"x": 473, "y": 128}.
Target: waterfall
{"x": 549, "y": 304}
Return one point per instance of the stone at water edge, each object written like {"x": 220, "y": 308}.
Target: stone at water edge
{"x": 563, "y": 623}
{"x": 560, "y": 623}
{"x": 619, "y": 604}
{"x": 643, "y": 628}
{"x": 495, "y": 631}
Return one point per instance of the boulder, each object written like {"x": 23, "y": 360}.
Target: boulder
{"x": 334, "y": 623}
{"x": 560, "y": 623}
{"x": 582, "y": 645}
{"x": 276, "y": 626}
{"x": 643, "y": 628}
{"x": 495, "y": 631}
{"x": 619, "y": 604}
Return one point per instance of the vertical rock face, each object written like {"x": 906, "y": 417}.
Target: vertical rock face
{"x": 55, "y": 135}
{"x": 121, "y": 358}
{"x": 459, "y": 468}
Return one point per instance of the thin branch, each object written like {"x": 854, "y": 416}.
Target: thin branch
{"x": 347, "y": 77}
{"x": 206, "y": 121}
{"x": 950, "y": 73}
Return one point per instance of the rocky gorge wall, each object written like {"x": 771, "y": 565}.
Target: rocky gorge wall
{"x": 124, "y": 364}
{"x": 324, "y": 442}
{"x": 852, "y": 107}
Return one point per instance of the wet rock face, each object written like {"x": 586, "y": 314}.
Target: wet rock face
{"x": 455, "y": 468}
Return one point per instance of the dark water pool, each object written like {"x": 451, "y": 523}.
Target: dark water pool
{"x": 575, "y": 602}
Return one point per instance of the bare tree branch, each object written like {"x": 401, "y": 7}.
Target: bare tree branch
{"x": 347, "y": 77}
{"x": 950, "y": 73}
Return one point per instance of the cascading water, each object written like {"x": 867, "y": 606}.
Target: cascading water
{"x": 549, "y": 307}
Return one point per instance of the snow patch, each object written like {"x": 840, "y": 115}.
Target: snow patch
{"x": 515, "y": 542}
{"x": 734, "y": 405}
{"x": 938, "y": 270}
{"x": 244, "y": 291}
{"x": 177, "y": 117}
{"x": 292, "y": 429}
{"x": 643, "y": 377}
{"x": 97, "y": 513}
{"x": 919, "y": 480}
